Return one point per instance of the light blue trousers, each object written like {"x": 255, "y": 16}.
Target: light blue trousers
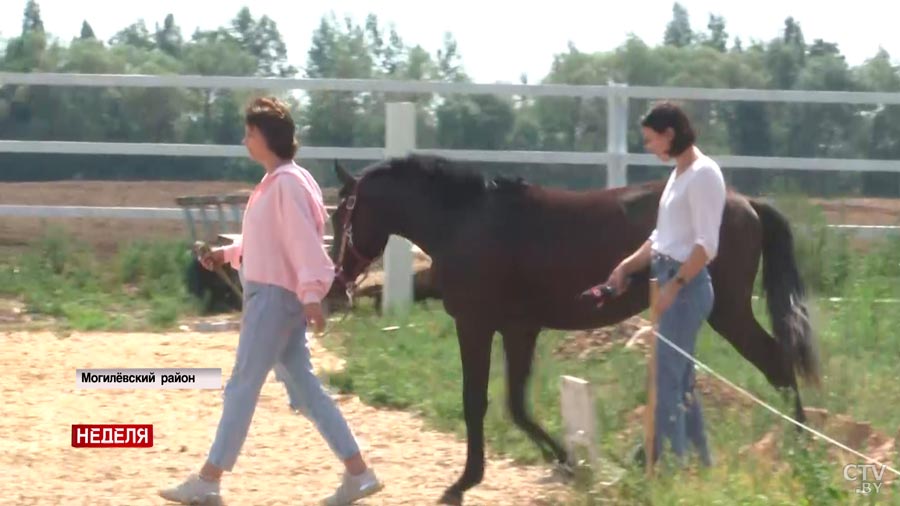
{"x": 679, "y": 416}
{"x": 273, "y": 336}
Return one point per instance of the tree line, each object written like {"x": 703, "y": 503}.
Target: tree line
{"x": 343, "y": 48}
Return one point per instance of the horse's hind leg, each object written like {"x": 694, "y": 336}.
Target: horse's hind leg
{"x": 518, "y": 345}
{"x": 737, "y": 324}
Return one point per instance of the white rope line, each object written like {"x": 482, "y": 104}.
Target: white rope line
{"x": 770, "y": 408}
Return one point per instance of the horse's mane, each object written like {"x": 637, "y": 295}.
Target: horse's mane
{"x": 452, "y": 182}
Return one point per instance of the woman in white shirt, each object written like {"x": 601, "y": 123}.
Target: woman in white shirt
{"x": 684, "y": 242}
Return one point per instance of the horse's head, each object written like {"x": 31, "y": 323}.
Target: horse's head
{"x": 359, "y": 238}
{"x": 417, "y": 197}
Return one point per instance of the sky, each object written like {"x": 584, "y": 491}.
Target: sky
{"x": 498, "y": 41}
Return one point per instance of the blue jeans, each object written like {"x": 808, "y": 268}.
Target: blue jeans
{"x": 679, "y": 416}
{"x": 273, "y": 336}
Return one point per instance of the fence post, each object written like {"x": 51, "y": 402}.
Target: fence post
{"x": 400, "y": 140}
{"x": 579, "y": 418}
{"x": 617, "y": 135}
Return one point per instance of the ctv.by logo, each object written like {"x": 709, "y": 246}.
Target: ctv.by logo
{"x": 868, "y": 475}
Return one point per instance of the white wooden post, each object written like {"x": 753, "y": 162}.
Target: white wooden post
{"x": 617, "y": 135}
{"x": 400, "y": 140}
{"x": 579, "y": 418}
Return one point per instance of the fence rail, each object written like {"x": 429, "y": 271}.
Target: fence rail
{"x": 445, "y": 88}
{"x": 400, "y": 131}
{"x": 470, "y": 155}
{"x": 305, "y": 152}
{"x": 176, "y": 213}
{"x": 125, "y": 213}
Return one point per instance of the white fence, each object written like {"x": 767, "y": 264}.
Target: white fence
{"x": 400, "y": 135}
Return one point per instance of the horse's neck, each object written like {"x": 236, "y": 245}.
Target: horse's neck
{"x": 425, "y": 225}
{"x": 424, "y": 231}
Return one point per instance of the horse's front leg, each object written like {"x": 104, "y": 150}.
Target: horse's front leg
{"x": 475, "y": 350}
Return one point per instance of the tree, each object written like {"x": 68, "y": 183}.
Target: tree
{"x": 26, "y": 52}
{"x": 824, "y": 130}
{"x": 882, "y": 137}
{"x": 474, "y": 122}
{"x": 338, "y": 51}
{"x": 678, "y": 31}
{"x": 449, "y": 63}
{"x": 134, "y": 35}
{"x": 749, "y": 124}
{"x": 792, "y": 33}
{"x": 345, "y": 49}
{"x": 786, "y": 56}
{"x": 263, "y": 40}
{"x": 388, "y": 56}
{"x": 216, "y": 52}
{"x": 86, "y": 31}
{"x": 32, "y": 22}
{"x": 718, "y": 37}
{"x": 822, "y": 48}
{"x": 168, "y": 38}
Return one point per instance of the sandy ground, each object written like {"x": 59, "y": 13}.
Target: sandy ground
{"x": 284, "y": 460}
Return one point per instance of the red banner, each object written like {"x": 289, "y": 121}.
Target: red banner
{"x": 112, "y": 436}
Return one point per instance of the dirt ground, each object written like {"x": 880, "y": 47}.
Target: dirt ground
{"x": 284, "y": 460}
{"x": 106, "y": 235}
{"x": 861, "y": 211}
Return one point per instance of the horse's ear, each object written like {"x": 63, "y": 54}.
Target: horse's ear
{"x": 343, "y": 175}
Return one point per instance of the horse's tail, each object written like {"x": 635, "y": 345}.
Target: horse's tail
{"x": 785, "y": 294}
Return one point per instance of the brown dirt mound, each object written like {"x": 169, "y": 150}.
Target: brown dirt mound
{"x": 596, "y": 342}
{"x": 633, "y": 332}
{"x": 861, "y": 211}
{"x": 858, "y": 435}
{"x": 284, "y": 460}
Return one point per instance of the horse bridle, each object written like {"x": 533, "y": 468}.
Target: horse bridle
{"x": 347, "y": 244}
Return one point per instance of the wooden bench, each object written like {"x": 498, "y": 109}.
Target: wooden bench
{"x": 221, "y": 206}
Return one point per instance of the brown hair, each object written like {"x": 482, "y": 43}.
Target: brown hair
{"x": 667, "y": 115}
{"x": 273, "y": 119}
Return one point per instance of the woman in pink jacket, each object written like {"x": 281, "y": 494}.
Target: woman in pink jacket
{"x": 285, "y": 273}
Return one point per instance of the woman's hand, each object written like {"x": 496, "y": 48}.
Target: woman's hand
{"x": 212, "y": 258}
{"x": 666, "y": 298}
{"x": 617, "y": 279}
{"x": 315, "y": 317}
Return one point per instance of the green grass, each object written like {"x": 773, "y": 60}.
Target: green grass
{"x": 141, "y": 287}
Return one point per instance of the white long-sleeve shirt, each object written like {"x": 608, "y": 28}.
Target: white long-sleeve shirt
{"x": 690, "y": 211}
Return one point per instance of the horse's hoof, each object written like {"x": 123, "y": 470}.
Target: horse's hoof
{"x": 565, "y": 469}
{"x": 452, "y": 498}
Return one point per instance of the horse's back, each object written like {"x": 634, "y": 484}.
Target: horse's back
{"x": 527, "y": 254}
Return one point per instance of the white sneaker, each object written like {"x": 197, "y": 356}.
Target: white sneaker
{"x": 194, "y": 490}
{"x": 354, "y": 488}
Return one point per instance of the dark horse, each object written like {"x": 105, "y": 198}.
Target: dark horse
{"x": 513, "y": 258}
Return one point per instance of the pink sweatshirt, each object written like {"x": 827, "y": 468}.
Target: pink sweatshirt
{"x": 282, "y": 233}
